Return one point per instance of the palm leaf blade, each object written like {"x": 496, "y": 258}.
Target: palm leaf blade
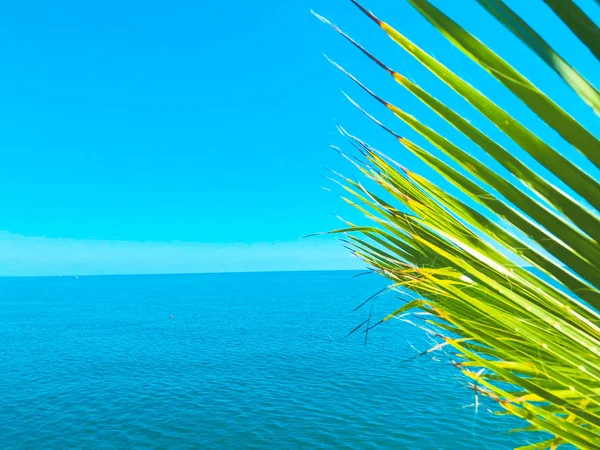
{"x": 588, "y": 93}
{"x": 536, "y": 100}
{"x": 527, "y": 342}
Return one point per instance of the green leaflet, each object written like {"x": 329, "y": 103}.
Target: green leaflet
{"x": 578, "y": 180}
{"x": 575, "y": 211}
{"x": 578, "y": 22}
{"x": 519, "y": 247}
{"x": 529, "y": 345}
{"x": 583, "y": 267}
{"x": 536, "y": 100}
{"x": 588, "y": 93}
{"x": 569, "y": 241}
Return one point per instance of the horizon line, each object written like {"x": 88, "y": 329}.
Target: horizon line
{"x": 182, "y": 273}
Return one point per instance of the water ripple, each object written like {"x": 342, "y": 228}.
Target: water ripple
{"x": 249, "y": 361}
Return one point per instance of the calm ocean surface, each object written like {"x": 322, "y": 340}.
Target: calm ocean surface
{"x": 247, "y": 361}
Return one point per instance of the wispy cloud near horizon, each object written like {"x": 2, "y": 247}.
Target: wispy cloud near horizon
{"x": 42, "y": 256}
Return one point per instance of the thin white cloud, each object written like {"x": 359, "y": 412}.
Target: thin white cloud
{"x": 37, "y": 256}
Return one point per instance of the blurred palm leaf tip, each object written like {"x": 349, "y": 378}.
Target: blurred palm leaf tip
{"x": 507, "y": 272}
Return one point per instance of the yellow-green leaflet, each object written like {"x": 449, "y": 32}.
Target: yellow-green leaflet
{"x": 507, "y": 271}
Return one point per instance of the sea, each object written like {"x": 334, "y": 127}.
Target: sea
{"x": 227, "y": 361}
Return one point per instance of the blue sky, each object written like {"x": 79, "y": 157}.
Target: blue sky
{"x": 183, "y": 136}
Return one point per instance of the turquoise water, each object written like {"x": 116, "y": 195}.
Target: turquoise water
{"x": 247, "y": 361}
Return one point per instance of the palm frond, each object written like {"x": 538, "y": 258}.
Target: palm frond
{"x": 529, "y": 342}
